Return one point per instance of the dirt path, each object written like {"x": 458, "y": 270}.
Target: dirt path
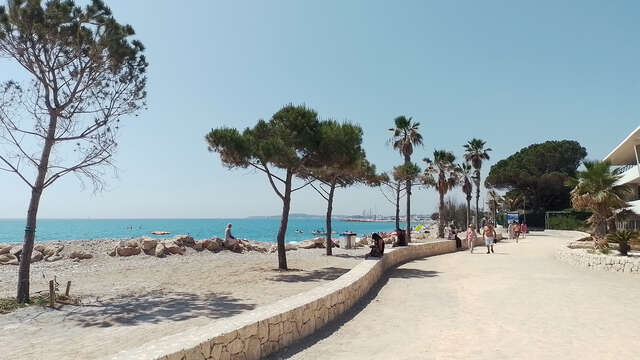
{"x": 520, "y": 303}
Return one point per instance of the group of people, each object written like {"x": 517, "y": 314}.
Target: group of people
{"x": 515, "y": 230}
{"x": 489, "y": 234}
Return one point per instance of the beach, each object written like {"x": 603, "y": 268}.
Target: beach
{"x": 127, "y": 301}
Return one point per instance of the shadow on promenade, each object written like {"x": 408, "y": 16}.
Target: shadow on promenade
{"x": 156, "y": 307}
{"x": 328, "y": 273}
{"x": 336, "y": 324}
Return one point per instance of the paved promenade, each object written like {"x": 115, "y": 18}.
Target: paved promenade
{"x": 519, "y": 303}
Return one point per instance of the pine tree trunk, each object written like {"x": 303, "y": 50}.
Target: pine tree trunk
{"x": 22, "y": 295}
{"x": 442, "y": 217}
{"x": 284, "y": 220}
{"x": 398, "y": 206}
{"x": 329, "y": 210}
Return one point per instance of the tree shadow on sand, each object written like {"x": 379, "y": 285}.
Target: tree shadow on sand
{"x": 408, "y": 273}
{"x": 156, "y": 307}
{"x": 328, "y": 273}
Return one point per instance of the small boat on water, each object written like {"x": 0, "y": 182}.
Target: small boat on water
{"x": 299, "y": 232}
{"x": 348, "y": 233}
{"x": 160, "y": 233}
{"x": 319, "y": 232}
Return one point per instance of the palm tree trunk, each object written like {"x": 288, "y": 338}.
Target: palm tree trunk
{"x": 398, "y": 206}
{"x": 468, "y": 209}
{"x": 329, "y": 210}
{"x": 442, "y": 217}
{"x": 22, "y": 295}
{"x": 407, "y": 161}
{"x": 284, "y": 220}
{"x": 478, "y": 200}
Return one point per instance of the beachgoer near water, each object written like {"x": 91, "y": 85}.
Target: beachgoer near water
{"x": 471, "y": 236}
{"x": 489, "y": 235}
{"x": 227, "y": 233}
{"x": 377, "y": 249}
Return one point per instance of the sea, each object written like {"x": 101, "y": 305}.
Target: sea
{"x": 257, "y": 229}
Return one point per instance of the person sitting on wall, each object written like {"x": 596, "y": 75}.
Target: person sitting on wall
{"x": 377, "y": 249}
{"x": 401, "y": 238}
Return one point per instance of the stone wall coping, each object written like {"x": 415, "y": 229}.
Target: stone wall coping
{"x": 170, "y": 347}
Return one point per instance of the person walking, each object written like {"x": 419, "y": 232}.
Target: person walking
{"x": 489, "y": 235}
{"x": 516, "y": 231}
{"x": 524, "y": 230}
{"x": 471, "y": 236}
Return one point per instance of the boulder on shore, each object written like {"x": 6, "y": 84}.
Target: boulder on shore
{"x": 173, "y": 248}
{"x": 160, "y": 250}
{"x": 4, "y": 248}
{"x": 52, "y": 250}
{"x": 8, "y": 259}
{"x": 213, "y": 244}
{"x": 52, "y": 258}
{"x": 36, "y": 256}
{"x": 147, "y": 244}
{"x": 80, "y": 255}
{"x": 184, "y": 240}
{"x": 127, "y": 251}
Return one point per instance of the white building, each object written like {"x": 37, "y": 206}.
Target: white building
{"x": 626, "y": 158}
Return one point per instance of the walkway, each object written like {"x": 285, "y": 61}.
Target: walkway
{"x": 520, "y": 303}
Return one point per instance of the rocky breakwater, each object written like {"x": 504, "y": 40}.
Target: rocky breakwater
{"x": 10, "y": 254}
{"x": 178, "y": 245}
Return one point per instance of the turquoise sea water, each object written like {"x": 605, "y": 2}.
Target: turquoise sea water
{"x": 263, "y": 229}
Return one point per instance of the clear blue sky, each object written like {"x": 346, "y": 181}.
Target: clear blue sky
{"x": 512, "y": 73}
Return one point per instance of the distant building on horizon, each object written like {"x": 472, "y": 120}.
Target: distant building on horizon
{"x": 626, "y": 157}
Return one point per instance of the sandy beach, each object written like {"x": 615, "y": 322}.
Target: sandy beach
{"x": 127, "y": 301}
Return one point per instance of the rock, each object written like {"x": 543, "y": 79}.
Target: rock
{"x": 4, "y": 248}
{"x": 586, "y": 238}
{"x": 16, "y": 251}
{"x": 6, "y": 258}
{"x": 52, "y": 258}
{"x": 39, "y": 247}
{"x": 229, "y": 243}
{"x": 52, "y": 250}
{"x": 147, "y": 244}
{"x": 580, "y": 245}
{"x": 36, "y": 256}
{"x": 173, "y": 248}
{"x": 289, "y": 247}
{"x": 307, "y": 244}
{"x": 127, "y": 251}
{"x": 133, "y": 243}
{"x": 273, "y": 249}
{"x": 113, "y": 252}
{"x": 80, "y": 255}
{"x": 160, "y": 250}
{"x": 184, "y": 240}
{"x": 198, "y": 246}
{"x": 212, "y": 245}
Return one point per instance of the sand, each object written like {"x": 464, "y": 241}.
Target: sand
{"x": 127, "y": 301}
{"x": 519, "y": 303}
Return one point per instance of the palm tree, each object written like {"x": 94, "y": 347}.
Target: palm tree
{"x": 404, "y": 137}
{"x": 442, "y": 174}
{"x": 475, "y": 153}
{"x": 465, "y": 173}
{"x": 494, "y": 200}
{"x": 596, "y": 190}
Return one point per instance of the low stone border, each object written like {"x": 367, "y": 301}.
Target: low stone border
{"x": 260, "y": 332}
{"x": 582, "y": 257}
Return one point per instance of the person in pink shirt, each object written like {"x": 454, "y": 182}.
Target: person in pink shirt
{"x": 524, "y": 230}
{"x": 471, "y": 236}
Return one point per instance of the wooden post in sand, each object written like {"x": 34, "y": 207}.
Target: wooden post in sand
{"x": 66, "y": 293}
{"x": 52, "y": 294}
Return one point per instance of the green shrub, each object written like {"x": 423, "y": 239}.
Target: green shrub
{"x": 624, "y": 238}
{"x": 568, "y": 222}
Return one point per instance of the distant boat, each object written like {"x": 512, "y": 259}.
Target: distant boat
{"x": 299, "y": 232}
{"x": 348, "y": 233}
{"x": 160, "y": 233}
{"x": 319, "y": 232}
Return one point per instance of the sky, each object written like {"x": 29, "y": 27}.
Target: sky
{"x": 510, "y": 73}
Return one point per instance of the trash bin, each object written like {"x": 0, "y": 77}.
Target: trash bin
{"x": 349, "y": 241}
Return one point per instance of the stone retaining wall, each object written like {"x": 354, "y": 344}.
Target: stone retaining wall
{"x": 260, "y": 332}
{"x": 583, "y": 258}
